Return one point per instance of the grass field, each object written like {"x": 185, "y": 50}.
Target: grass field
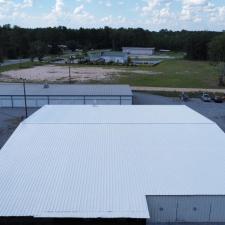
{"x": 24, "y": 65}
{"x": 170, "y": 73}
{"x": 175, "y": 73}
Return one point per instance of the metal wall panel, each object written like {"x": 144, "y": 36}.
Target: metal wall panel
{"x": 218, "y": 209}
{"x": 162, "y": 209}
{"x": 193, "y": 209}
{"x": 186, "y": 208}
{"x": 5, "y": 102}
{"x": 36, "y": 101}
{"x": 39, "y": 101}
{"x": 18, "y": 101}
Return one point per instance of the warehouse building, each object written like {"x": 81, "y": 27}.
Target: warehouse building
{"x": 126, "y": 164}
{"x": 38, "y": 95}
{"x": 107, "y": 56}
{"x": 136, "y": 51}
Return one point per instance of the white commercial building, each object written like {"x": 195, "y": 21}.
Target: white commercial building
{"x": 163, "y": 163}
{"x": 107, "y": 56}
{"x": 115, "y": 57}
{"x": 135, "y": 51}
{"x": 12, "y": 95}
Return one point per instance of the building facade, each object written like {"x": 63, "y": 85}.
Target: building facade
{"x": 12, "y": 95}
{"x": 135, "y": 51}
{"x": 107, "y": 56}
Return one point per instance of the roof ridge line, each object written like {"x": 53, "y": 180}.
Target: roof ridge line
{"x": 114, "y": 123}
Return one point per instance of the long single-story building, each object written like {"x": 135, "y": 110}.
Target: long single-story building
{"x": 108, "y": 56}
{"x": 126, "y": 164}
{"x": 12, "y": 95}
{"x": 136, "y": 51}
{"x": 115, "y": 57}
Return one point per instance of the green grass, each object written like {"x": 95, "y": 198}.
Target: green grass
{"x": 174, "y": 73}
{"x": 25, "y": 65}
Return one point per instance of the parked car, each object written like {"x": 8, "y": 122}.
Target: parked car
{"x": 184, "y": 97}
{"x": 217, "y": 99}
{"x": 223, "y": 98}
{"x": 205, "y": 97}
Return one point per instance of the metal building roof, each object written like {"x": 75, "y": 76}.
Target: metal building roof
{"x": 64, "y": 89}
{"x": 114, "y": 54}
{"x": 137, "y": 48}
{"x": 101, "y": 161}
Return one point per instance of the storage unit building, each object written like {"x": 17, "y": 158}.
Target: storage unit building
{"x": 161, "y": 163}
{"x": 108, "y": 56}
{"x": 12, "y": 95}
{"x": 115, "y": 57}
{"x": 136, "y": 51}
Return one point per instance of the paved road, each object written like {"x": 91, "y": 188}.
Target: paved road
{"x": 14, "y": 61}
{"x": 193, "y": 90}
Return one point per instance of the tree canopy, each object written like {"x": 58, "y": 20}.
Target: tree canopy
{"x": 217, "y": 54}
{"x": 18, "y": 42}
{"x": 217, "y": 49}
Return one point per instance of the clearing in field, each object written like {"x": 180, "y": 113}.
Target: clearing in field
{"x": 61, "y": 73}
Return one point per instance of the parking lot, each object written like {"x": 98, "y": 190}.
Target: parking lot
{"x": 10, "y": 118}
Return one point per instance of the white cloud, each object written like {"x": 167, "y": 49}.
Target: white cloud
{"x": 81, "y": 17}
{"x": 150, "y": 14}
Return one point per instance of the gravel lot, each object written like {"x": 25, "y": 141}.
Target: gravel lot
{"x": 10, "y": 118}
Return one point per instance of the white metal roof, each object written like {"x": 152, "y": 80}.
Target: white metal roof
{"x": 137, "y": 48}
{"x": 65, "y": 89}
{"x": 101, "y": 161}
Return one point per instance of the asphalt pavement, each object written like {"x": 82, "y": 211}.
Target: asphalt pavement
{"x": 14, "y": 61}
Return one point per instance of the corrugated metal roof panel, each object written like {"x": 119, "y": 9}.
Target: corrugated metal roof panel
{"x": 114, "y": 114}
{"x": 96, "y": 168}
{"x": 63, "y": 89}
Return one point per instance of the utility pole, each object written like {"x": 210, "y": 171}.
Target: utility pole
{"x": 25, "y": 96}
{"x": 70, "y": 81}
{"x": 69, "y": 73}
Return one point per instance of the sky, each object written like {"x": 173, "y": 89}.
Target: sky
{"x": 147, "y": 14}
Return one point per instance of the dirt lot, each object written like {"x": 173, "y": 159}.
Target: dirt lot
{"x": 54, "y": 73}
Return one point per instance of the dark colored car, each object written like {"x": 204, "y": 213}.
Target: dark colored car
{"x": 184, "y": 97}
{"x": 218, "y": 99}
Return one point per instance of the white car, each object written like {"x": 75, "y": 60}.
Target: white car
{"x": 205, "y": 97}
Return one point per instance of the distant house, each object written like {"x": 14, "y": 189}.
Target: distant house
{"x": 95, "y": 55}
{"x": 136, "y": 51}
{"x": 108, "y": 56}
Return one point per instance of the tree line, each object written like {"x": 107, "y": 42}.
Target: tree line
{"x": 16, "y": 42}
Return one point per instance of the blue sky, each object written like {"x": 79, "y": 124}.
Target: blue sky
{"x": 148, "y": 14}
